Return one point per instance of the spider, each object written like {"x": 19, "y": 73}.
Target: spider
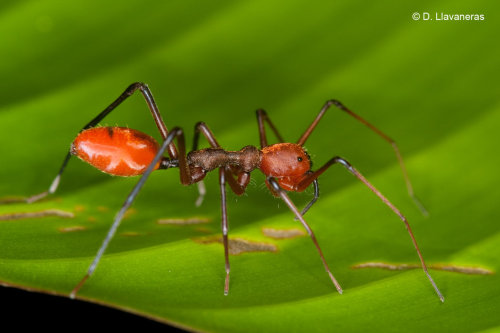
{"x": 287, "y": 166}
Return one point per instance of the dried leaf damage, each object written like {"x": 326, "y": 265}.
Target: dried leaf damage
{"x": 72, "y": 228}
{"x": 182, "y": 221}
{"x": 239, "y": 245}
{"x": 448, "y": 268}
{"x": 283, "y": 233}
{"x": 38, "y": 214}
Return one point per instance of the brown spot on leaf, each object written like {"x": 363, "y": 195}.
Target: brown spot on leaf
{"x": 38, "y": 214}
{"x": 239, "y": 245}
{"x": 283, "y": 233}
{"x": 130, "y": 211}
{"x": 79, "y": 208}
{"x": 11, "y": 200}
{"x": 191, "y": 220}
{"x": 440, "y": 267}
{"x": 204, "y": 230}
{"x": 102, "y": 209}
{"x": 131, "y": 234}
{"x": 72, "y": 228}
{"x": 91, "y": 219}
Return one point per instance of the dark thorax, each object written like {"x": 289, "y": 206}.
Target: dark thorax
{"x": 247, "y": 159}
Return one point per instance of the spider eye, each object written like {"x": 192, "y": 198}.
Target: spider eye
{"x": 299, "y": 159}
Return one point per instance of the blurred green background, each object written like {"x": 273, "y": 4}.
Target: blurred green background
{"x": 431, "y": 85}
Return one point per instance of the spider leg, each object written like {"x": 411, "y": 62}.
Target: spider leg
{"x": 261, "y": 118}
{"x": 282, "y": 193}
{"x": 384, "y": 136}
{"x": 338, "y": 160}
{"x": 148, "y": 96}
{"x": 176, "y": 132}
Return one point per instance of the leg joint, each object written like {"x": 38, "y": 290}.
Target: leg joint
{"x": 199, "y": 125}
{"x": 274, "y": 184}
{"x": 340, "y": 160}
{"x": 136, "y": 85}
{"x": 261, "y": 112}
{"x": 336, "y": 103}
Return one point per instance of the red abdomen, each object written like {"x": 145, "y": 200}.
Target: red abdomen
{"x": 118, "y": 151}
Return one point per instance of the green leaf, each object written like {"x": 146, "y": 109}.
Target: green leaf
{"x": 430, "y": 85}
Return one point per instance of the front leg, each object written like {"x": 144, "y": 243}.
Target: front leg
{"x": 381, "y": 134}
{"x": 339, "y": 160}
{"x": 276, "y": 189}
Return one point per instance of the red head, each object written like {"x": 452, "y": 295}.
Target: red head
{"x": 287, "y": 162}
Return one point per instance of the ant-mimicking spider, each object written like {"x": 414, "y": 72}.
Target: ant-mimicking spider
{"x": 127, "y": 152}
